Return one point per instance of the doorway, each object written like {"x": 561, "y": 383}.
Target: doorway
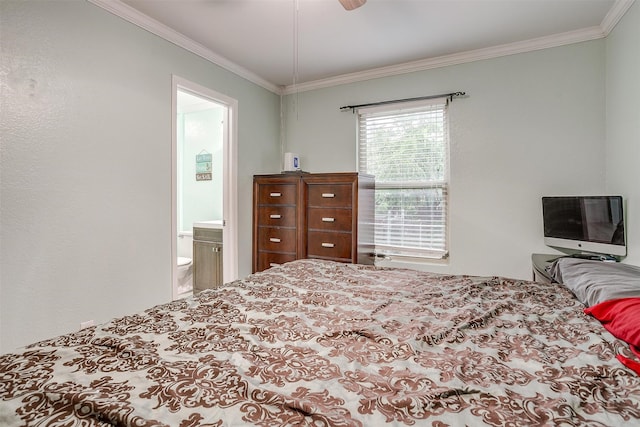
{"x": 203, "y": 177}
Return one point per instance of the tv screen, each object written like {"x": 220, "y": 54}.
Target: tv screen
{"x": 586, "y": 223}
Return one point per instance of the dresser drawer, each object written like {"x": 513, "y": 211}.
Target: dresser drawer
{"x": 330, "y": 219}
{"x": 324, "y": 244}
{"x": 277, "y": 239}
{"x": 270, "y": 259}
{"x": 277, "y": 216}
{"x": 330, "y": 195}
{"x": 277, "y": 194}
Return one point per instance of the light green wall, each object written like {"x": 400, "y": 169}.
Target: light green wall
{"x": 533, "y": 124}
{"x": 85, "y": 191}
{"x": 85, "y": 223}
{"x": 623, "y": 122}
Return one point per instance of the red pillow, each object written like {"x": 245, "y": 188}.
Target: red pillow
{"x": 621, "y": 317}
{"x": 631, "y": 364}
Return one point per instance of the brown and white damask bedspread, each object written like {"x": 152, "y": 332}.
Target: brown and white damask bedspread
{"x": 327, "y": 344}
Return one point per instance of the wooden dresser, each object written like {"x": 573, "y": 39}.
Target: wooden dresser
{"x": 328, "y": 216}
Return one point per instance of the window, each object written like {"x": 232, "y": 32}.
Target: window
{"x": 406, "y": 147}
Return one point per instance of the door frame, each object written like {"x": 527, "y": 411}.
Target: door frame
{"x": 229, "y": 172}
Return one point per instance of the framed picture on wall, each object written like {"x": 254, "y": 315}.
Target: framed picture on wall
{"x": 204, "y": 166}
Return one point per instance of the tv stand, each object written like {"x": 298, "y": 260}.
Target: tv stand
{"x": 539, "y": 264}
{"x": 594, "y": 257}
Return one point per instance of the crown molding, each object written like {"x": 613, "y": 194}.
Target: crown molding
{"x": 131, "y": 15}
{"x": 454, "y": 59}
{"x": 614, "y": 15}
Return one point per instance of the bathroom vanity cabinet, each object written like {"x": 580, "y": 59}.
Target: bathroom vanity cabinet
{"x": 207, "y": 258}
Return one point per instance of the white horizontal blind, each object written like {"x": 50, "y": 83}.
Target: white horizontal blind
{"x": 406, "y": 147}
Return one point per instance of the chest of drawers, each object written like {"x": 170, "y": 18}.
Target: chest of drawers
{"x": 326, "y": 216}
{"x": 276, "y": 217}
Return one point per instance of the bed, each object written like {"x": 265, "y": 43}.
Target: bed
{"x": 320, "y": 343}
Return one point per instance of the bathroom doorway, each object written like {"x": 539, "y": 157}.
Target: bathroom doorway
{"x": 203, "y": 178}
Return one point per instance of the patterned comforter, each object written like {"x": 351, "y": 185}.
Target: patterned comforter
{"x": 328, "y": 344}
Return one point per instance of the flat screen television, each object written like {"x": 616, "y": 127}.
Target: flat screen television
{"x": 589, "y": 224}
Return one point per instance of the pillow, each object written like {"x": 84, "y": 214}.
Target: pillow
{"x": 621, "y": 317}
{"x": 593, "y": 282}
{"x": 631, "y": 364}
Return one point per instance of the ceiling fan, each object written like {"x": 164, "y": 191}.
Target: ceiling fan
{"x": 352, "y": 4}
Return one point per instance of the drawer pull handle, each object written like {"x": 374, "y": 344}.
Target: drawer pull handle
{"x": 275, "y": 216}
{"x": 327, "y": 245}
{"x": 274, "y": 240}
{"x": 328, "y": 219}
{"x": 275, "y": 194}
{"x": 328, "y": 195}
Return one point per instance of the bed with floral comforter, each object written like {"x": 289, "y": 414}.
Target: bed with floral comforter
{"x": 320, "y": 343}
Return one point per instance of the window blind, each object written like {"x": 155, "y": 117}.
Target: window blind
{"x": 406, "y": 147}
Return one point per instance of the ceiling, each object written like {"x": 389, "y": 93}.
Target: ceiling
{"x": 299, "y": 44}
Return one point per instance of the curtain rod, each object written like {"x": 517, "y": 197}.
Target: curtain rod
{"x": 420, "y": 98}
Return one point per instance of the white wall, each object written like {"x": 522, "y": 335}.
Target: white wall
{"x": 85, "y": 176}
{"x": 623, "y": 122}
{"x": 533, "y": 124}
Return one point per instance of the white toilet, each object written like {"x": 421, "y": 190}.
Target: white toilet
{"x": 185, "y": 275}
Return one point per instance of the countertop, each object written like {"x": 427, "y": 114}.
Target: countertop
{"x": 208, "y": 224}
